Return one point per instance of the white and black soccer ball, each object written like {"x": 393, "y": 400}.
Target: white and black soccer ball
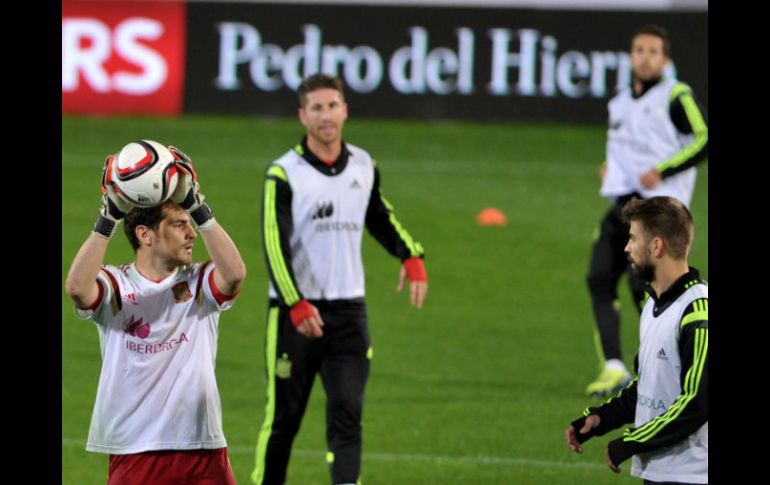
{"x": 144, "y": 173}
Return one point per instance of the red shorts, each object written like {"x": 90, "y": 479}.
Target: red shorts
{"x": 167, "y": 467}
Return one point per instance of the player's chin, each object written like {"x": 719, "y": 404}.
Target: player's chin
{"x": 185, "y": 257}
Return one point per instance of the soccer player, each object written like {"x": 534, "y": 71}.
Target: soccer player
{"x": 668, "y": 401}
{"x": 157, "y": 412}
{"x": 656, "y": 137}
{"x": 318, "y": 198}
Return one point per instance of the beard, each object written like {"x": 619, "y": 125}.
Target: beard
{"x": 644, "y": 270}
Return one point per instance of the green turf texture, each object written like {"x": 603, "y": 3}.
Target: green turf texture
{"x": 475, "y": 388}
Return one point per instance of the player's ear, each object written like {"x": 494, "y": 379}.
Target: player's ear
{"x": 302, "y": 116}
{"x": 144, "y": 234}
{"x": 657, "y": 246}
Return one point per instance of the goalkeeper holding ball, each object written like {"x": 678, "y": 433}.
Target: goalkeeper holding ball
{"x": 157, "y": 411}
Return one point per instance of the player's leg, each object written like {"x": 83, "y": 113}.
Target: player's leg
{"x": 291, "y": 361}
{"x": 608, "y": 262}
{"x": 345, "y": 371}
{"x": 212, "y": 467}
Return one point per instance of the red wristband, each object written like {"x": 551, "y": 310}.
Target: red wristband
{"x": 300, "y": 311}
{"x": 415, "y": 269}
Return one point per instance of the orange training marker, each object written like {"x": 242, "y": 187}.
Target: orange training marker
{"x": 491, "y": 217}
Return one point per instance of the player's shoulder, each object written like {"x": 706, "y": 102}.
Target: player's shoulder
{"x": 116, "y": 274}
{"x": 290, "y": 157}
{"x": 696, "y": 302}
{"x": 359, "y": 154}
{"x": 677, "y": 88}
{"x": 193, "y": 271}
{"x": 621, "y": 93}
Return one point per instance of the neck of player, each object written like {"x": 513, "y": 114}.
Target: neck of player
{"x": 666, "y": 273}
{"x": 154, "y": 267}
{"x": 324, "y": 151}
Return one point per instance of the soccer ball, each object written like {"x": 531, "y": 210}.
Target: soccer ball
{"x": 144, "y": 173}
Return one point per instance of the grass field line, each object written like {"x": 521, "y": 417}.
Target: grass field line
{"x": 407, "y": 457}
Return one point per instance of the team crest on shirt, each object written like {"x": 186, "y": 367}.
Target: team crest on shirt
{"x": 283, "y": 367}
{"x": 182, "y": 292}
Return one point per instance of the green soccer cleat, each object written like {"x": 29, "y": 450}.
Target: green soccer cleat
{"x": 609, "y": 382}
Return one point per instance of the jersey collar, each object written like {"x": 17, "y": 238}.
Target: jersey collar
{"x": 646, "y": 86}
{"x": 674, "y": 291}
{"x": 134, "y": 271}
{"x": 334, "y": 169}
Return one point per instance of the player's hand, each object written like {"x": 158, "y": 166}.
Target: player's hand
{"x": 113, "y": 207}
{"x": 570, "y": 436}
{"x": 602, "y": 170}
{"x": 414, "y": 270}
{"x": 650, "y": 179}
{"x": 306, "y": 319}
{"x": 608, "y": 460}
{"x": 188, "y": 191}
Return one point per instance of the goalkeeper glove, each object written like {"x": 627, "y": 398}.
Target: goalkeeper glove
{"x": 113, "y": 207}
{"x": 188, "y": 191}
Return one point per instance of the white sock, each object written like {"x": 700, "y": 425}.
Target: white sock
{"x": 615, "y": 364}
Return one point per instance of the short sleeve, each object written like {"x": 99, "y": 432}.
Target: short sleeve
{"x": 96, "y": 312}
{"x": 213, "y": 294}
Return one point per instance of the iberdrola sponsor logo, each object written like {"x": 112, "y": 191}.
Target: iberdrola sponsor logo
{"x": 140, "y": 329}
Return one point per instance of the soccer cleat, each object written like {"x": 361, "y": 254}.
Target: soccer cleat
{"x": 609, "y": 382}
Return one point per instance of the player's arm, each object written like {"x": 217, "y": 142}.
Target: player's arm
{"x": 387, "y": 230}
{"x": 230, "y": 270}
{"x": 690, "y": 410}
{"x": 81, "y": 284}
{"x": 687, "y": 116}
{"x": 613, "y": 414}
{"x": 277, "y": 228}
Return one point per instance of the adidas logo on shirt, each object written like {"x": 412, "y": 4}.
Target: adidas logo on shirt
{"x": 355, "y": 184}
{"x": 662, "y": 354}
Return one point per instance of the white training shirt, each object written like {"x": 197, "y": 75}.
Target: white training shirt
{"x": 659, "y": 386}
{"x": 329, "y": 216}
{"x": 157, "y": 388}
{"x": 640, "y": 136}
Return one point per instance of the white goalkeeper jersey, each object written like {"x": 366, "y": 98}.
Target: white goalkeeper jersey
{"x": 157, "y": 388}
{"x": 640, "y": 136}
{"x": 329, "y": 217}
{"x": 658, "y": 388}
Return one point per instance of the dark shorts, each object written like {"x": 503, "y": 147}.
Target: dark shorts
{"x": 167, "y": 467}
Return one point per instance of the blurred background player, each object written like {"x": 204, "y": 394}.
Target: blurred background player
{"x": 318, "y": 198}
{"x": 157, "y": 411}
{"x": 668, "y": 401}
{"x": 656, "y": 136}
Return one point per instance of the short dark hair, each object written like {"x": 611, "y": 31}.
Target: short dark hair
{"x": 318, "y": 81}
{"x": 664, "y": 217}
{"x": 657, "y": 31}
{"x": 141, "y": 216}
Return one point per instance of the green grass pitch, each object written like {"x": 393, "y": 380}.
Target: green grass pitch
{"x": 478, "y": 386}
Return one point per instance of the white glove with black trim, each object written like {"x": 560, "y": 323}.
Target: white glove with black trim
{"x": 113, "y": 208}
{"x": 188, "y": 191}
